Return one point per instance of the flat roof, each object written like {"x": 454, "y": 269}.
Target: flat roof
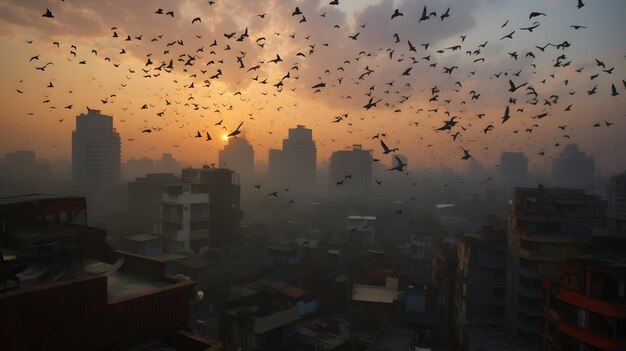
{"x": 266, "y": 311}
{"x": 32, "y": 198}
{"x": 121, "y": 283}
{"x": 393, "y": 339}
{"x": 142, "y": 237}
{"x": 373, "y": 293}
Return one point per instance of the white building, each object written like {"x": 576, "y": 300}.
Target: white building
{"x": 184, "y": 217}
{"x": 361, "y": 228}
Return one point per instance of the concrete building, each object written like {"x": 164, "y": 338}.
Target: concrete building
{"x": 513, "y": 169}
{"x": 296, "y": 164}
{"x": 546, "y": 226}
{"x": 144, "y": 200}
{"x": 263, "y": 321}
{"x": 354, "y": 168}
{"x": 361, "y": 229}
{"x": 373, "y": 306}
{"x": 96, "y": 157}
{"x": 22, "y": 174}
{"x": 184, "y": 217}
{"x": 573, "y": 168}
{"x": 587, "y": 310}
{"x": 224, "y": 210}
{"x": 238, "y": 155}
{"x": 68, "y": 282}
{"x": 481, "y": 280}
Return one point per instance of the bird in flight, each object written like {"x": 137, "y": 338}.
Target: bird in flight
{"x": 506, "y": 115}
{"x": 386, "y": 149}
{"x": 396, "y": 13}
{"x": 48, "y": 14}
{"x": 235, "y": 132}
{"x": 400, "y": 165}
{"x": 466, "y": 154}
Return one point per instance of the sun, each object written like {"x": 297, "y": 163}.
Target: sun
{"x": 224, "y": 137}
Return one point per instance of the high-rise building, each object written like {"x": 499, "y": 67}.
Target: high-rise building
{"x": 145, "y": 196}
{"x": 296, "y": 164}
{"x": 224, "y": 209}
{"x": 238, "y": 155}
{"x": 353, "y": 167}
{"x": 513, "y": 168}
{"x": 481, "y": 279}
{"x": 546, "y": 226}
{"x": 22, "y": 174}
{"x": 573, "y": 168}
{"x": 96, "y": 155}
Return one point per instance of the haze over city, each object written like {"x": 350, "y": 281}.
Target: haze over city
{"x": 290, "y": 175}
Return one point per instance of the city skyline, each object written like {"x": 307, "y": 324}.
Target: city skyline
{"x": 267, "y": 111}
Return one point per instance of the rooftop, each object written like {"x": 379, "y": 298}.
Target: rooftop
{"x": 324, "y": 332}
{"x": 32, "y": 198}
{"x": 374, "y": 293}
{"x": 389, "y": 338}
{"x": 121, "y": 283}
{"x": 264, "y": 311}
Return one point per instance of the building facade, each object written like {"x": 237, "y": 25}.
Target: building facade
{"x": 354, "y": 168}
{"x": 224, "y": 209}
{"x": 513, "y": 168}
{"x": 238, "y": 155}
{"x": 144, "y": 200}
{"x": 573, "y": 168}
{"x": 184, "y": 219}
{"x": 546, "y": 226}
{"x": 296, "y": 164}
{"x": 96, "y": 157}
{"x": 481, "y": 279}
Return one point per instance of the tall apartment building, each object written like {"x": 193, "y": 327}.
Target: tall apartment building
{"x": 96, "y": 155}
{"x": 513, "y": 169}
{"x": 144, "y": 200}
{"x": 481, "y": 280}
{"x": 587, "y": 311}
{"x": 184, "y": 217}
{"x": 353, "y": 167}
{"x": 224, "y": 209}
{"x": 296, "y": 164}
{"x": 573, "y": 168}
{"x": 238, "y": 155}
{"x": 546, "y": 226}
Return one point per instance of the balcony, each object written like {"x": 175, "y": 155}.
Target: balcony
{"x": 587, "y": 336}
{"x": 592, "y": 304}
{"x": 539, "y": 256}
{"x": 531, "y": 273}
{"x": 529, "y": 292}
{"x": 172, "y": 218}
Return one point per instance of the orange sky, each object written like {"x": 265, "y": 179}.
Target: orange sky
{"x": 328, "y": 55}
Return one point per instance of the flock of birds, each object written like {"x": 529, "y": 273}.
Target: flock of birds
{"x": 199, "y": 65}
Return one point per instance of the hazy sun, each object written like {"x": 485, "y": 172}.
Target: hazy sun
{"x": 224, "y": 137}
